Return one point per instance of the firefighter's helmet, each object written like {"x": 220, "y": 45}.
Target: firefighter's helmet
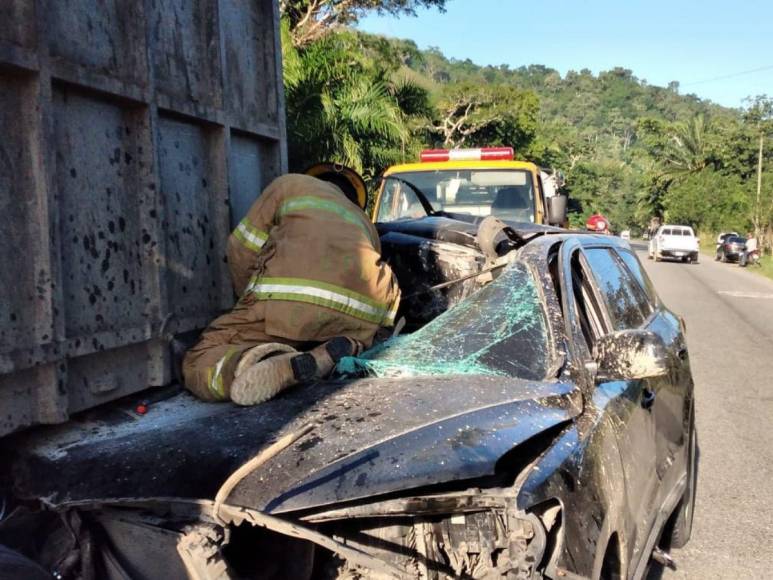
{"x": 348, "y": 180}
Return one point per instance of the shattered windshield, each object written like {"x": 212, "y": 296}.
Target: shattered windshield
{"x": 505, "y": 193}
{"x": 501, "y": 330}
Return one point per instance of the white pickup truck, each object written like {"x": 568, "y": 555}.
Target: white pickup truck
{"x": 674, "y": 241}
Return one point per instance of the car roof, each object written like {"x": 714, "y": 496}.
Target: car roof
{"x": 676, "y": 226}
{"x": 535, "y": 234}
{"x": 540, "y": 244}
{"x": 441, "y": 165}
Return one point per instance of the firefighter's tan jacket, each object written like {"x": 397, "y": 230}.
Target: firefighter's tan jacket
{"x": 303, "y": 243}
{"x": 307, "y": 263}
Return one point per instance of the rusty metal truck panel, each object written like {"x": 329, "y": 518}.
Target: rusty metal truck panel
{"x": 135, "y": 134}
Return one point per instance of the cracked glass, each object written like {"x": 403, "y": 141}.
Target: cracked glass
{"x": 501, "y": 330}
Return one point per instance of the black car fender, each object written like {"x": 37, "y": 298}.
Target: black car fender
{"x": 577, "y": 471}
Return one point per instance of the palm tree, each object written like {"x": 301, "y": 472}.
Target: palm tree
{"x": 342, "y": 108}
{"x": 687, "y": 150}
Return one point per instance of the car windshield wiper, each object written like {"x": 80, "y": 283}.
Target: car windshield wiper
{"x": 425, "y": 204}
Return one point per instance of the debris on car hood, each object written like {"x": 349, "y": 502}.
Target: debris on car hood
{"x": 369, "y": 437}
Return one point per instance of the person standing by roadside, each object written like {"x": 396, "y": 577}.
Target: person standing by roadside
{"x": 750, "y": 249}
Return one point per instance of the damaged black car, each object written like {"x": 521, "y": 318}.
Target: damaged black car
{"x": 533, "y": 419}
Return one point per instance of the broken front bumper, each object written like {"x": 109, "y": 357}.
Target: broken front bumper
{"x": 470, "y": 534}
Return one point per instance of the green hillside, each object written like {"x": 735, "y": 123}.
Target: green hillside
{"x": 628, "y": 149}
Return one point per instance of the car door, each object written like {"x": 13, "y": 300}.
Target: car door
{"x": 673, "y": 392}
{"x": 667, "y": 399}
{"x": 625, "y": 403}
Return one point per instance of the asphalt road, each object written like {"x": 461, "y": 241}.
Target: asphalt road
{"x": 729, "y": 316}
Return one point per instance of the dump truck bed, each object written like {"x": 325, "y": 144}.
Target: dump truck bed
{"x": 127, "y": 155}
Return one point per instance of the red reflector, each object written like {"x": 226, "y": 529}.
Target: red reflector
{"x": 497, "y": 153}
{"x": 485, "y": 154}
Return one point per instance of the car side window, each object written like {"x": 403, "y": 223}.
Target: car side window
{"x": 648, "y": 288}
{"x": 589, "y": 311}
{"x": 622, "y": 298}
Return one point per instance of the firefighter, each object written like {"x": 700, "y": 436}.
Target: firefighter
{"x": 306, "y": 261}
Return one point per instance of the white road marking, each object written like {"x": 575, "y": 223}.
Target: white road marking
{"x": 739, "y": 294}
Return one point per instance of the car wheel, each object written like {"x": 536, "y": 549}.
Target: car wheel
{"x": 681, "y": 529}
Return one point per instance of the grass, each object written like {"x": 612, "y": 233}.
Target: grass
{"x": 767, "y": 267}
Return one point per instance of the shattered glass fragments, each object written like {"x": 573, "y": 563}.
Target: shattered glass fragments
{"x": 499, "y": 331}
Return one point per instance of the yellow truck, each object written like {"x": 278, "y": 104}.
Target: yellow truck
{"x": 470, "y": 184}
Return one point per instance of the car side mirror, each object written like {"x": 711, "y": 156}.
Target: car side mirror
{"x": 557, "y": 210}
{"x": 630, "y": 354}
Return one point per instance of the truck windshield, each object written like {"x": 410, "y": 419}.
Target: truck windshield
{"x": 505, "y": 193}
{"x": 501, "y": 330}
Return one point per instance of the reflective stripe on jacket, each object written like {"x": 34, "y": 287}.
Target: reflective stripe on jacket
{"x": 316, "y": 256}
{"x": 322, "y": 294}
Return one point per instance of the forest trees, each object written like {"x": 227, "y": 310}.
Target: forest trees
{"x": 712, "y": 171}
{"x": 470, "y": 114}
{"x": 759, "y": 117}
{"x": 310, "y": 20}
{"x": 629, "y": 149}
{"x": 342, "y": 107}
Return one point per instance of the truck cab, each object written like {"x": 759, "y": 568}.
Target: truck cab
{"x": 468, "y": 185}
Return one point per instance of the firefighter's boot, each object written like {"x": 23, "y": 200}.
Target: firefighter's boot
{"x": 266, "y": 370}
{"x": 327, "y": 354}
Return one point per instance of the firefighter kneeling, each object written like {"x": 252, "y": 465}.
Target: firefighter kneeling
{"x": 307, "y": 261}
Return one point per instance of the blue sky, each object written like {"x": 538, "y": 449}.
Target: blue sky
{"x": 697, "y": 43}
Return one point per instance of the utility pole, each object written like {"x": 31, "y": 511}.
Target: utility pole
{"x": 758, "y": 209}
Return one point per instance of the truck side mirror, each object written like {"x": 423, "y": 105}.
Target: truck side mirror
{"x": 557, "y": 210}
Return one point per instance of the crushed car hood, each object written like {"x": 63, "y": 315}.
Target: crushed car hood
{"x": 369, "y": 437}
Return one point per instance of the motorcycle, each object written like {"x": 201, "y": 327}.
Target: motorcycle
{"x": 750, "y": 259}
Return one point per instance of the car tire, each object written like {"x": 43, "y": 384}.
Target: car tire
{"x": 681, "y": 529}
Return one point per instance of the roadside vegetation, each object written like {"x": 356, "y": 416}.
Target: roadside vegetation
{"x": 628, "y": 149}
{"x": 767, "y": 266}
